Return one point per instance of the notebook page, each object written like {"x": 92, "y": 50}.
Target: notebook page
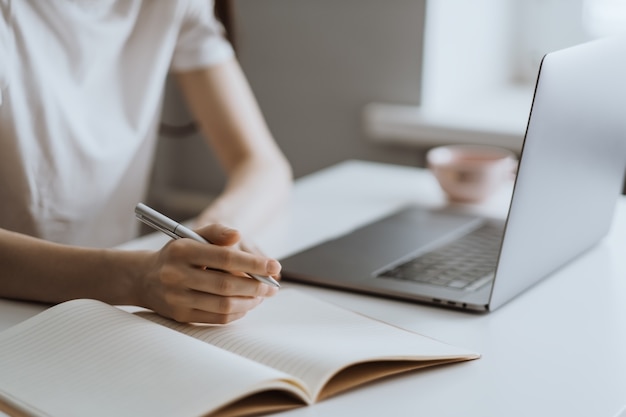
{"x": 312, "y": 340}
{"x": 86, "y": 358}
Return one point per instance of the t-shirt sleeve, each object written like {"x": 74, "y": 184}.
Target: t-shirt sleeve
{"x": 201, "y": 40}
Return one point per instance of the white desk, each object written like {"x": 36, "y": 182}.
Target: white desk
{"x": 557, "y": 350}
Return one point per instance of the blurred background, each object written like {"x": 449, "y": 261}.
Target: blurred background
{"x": 377, "y": 80}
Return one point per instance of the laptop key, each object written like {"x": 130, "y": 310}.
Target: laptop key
{"x": 479, "y": 283}
{"x": 467, "y": 263}
{"x": 457, "y": 283}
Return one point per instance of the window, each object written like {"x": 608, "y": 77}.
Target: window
{"x": 481, "y": 60}
{"x": 604, "y": 17}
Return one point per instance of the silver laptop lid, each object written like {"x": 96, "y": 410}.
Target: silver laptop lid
{"x": 572, "y": 165}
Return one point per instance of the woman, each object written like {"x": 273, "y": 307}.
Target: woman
{"x": 81, "y": 83}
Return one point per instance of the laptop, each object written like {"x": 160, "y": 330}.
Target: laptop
{"x": 569, "y": 176}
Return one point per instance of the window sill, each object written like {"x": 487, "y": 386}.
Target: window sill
{"x": 498, "y": 118}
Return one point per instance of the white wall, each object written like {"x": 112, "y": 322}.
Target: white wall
{"x": 313, "y": 65}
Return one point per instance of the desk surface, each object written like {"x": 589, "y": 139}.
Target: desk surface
{"x": 557, "y": 350}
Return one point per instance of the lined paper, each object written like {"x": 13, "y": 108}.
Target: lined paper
{"x": 85, "y": 358}
{"x": 311, "y": 339}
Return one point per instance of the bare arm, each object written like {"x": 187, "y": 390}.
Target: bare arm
{"x": 259, "y": 176}
{"x": 173, "y": 281}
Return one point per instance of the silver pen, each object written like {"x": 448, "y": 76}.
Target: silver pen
{"x": 175, "y": 230}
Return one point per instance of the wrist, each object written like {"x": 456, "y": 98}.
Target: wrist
{"x": 127, "y": 270}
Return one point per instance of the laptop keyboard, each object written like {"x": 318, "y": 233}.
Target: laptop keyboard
{"x": 467, "y": 263}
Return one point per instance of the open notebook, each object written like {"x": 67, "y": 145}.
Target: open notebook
{"x": 87, "y": 358}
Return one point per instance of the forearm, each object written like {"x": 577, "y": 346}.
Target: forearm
{"x": 184, "y": 280}
{"x": 256, "y": 189}
{"x": 34, "y": 269}
{"x": 259, "y": 175}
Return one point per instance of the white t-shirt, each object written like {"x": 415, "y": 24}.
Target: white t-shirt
{"x": 81, "y": 85}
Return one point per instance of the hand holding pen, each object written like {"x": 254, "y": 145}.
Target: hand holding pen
{"x": 191, "y": 282}
{"x": 176, "y": 230}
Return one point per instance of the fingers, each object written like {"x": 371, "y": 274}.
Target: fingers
{"x": 208, "y": 296}
{"x": 223, "y": 236}
{"x": 250, "y": 247}
{"x": 218, "y": 234}
{"x": 187, "y": 280}
{"x": 227, "y": 285}
{"x": 200, "y": 307}
{"x": 225, "y": 258}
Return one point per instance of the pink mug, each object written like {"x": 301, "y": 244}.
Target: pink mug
{"x": 471, "y": 173}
